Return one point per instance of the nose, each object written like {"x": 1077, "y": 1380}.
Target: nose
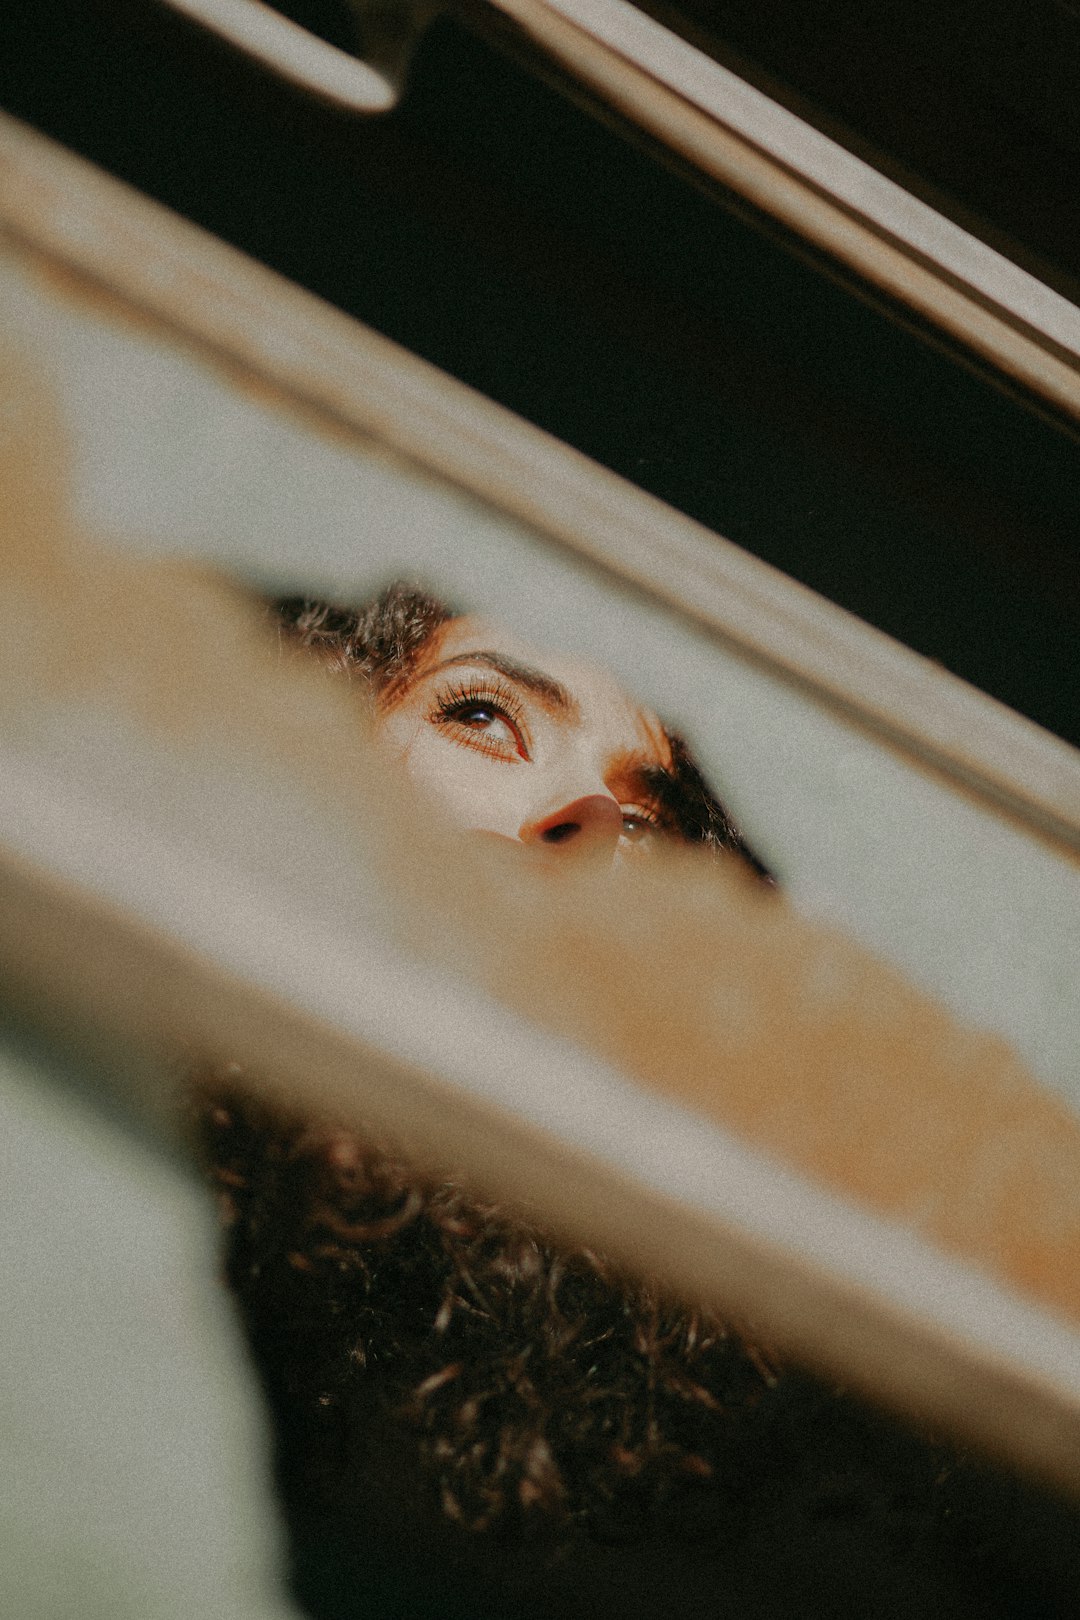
{"x": 590, "y": 825}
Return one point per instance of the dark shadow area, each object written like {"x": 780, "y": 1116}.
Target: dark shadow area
{"x": 475, "y": 1423}
{"x": 974, "y": 105}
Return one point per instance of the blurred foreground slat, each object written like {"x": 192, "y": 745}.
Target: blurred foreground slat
{"x": 198, "y": 860}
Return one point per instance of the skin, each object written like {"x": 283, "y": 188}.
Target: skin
{"x": 539, "y": 749}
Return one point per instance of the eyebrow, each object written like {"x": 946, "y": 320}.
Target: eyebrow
{"x": 551, "y": 693}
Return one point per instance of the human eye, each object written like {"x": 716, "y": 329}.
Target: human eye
{"x": 487, "y": 717}
{"x": 640, "y": 825}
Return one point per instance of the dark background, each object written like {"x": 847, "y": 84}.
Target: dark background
{"x": 500, "y": 230}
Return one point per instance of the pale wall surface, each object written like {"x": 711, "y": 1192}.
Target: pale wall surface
{"x": 133, "y": 1466}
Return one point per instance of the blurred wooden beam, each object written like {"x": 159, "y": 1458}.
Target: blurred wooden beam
{"x": 111, "y": 241}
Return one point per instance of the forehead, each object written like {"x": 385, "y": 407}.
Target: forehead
{"x": 598, "y": 702}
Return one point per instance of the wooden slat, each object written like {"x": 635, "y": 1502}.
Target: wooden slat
{"x": 294, "y": 54}
{"x": 212, "y": 297}
{"x": 813, "y": 187}
{"x": 851, "y": 1295}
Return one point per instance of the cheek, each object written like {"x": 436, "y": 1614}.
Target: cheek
{"x": 471, "y": 791}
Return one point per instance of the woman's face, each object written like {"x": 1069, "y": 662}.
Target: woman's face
{"x": 539, "y": 749}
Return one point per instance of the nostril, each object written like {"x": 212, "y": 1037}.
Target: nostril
{"x": 559, "y": 834}
{"x": 586, "y": 824}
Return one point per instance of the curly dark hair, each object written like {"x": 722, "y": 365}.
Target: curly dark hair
{"x": 379, "y": 642}
{"x": 474, "y": 1421}
{"x": 539, "y": 1385}
{"x": 471, "y": 1420}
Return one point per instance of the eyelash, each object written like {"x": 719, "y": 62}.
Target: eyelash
{"x": 452, "y": 704}
{"x": 649, "y": 818}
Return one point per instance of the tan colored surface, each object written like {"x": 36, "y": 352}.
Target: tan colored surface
{"x": 169, "y": 647}
{"x": 804, "y": 1045}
